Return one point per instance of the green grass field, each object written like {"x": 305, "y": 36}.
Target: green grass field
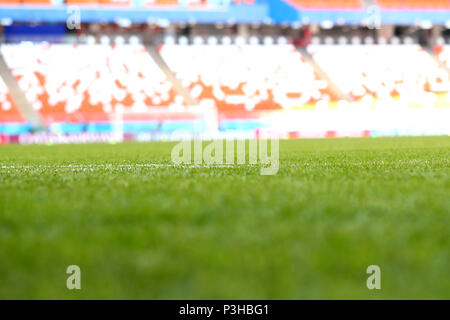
{"x": 139, "y": 231}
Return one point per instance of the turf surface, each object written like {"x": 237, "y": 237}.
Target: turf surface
{"x": 143, "y": 231}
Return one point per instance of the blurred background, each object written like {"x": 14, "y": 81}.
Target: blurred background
{"x": 119, "y": 70}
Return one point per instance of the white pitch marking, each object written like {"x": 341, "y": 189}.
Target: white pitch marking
{"x": 110, "y": 166}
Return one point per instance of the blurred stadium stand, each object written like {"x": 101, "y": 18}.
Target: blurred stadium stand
{"x": 85, "y": 84}
{"x": 245, "y": 77}
{"x": 367, "y": 72}
{"x": 164, "y": 68}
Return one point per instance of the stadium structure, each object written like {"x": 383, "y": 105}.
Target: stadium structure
{"x": 115, "y": 70}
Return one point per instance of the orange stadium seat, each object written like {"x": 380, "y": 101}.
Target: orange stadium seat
{"x": 12, "y": 2}
{"x": 414, "y": 4}
{"x": 37, "y": 2}
{"x": 327, "y": 4}
{"x": 9, "y": 112}
{"x": 246, "y": 78}
{"x": 162, "y": 3}
{"x": 83, "y": 2}
{"x": 115, "y": 2}
{"x": 405, "y": 72}
{"x": 189, "y": 3}
{"x": 85, "y": 83}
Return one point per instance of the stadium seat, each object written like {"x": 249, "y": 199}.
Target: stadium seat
{"x": 211, "y": 40}
{"x": 10, "y": 2}
{"x": 327, "y": 4}
{"x": 248, "y": 77}
{"x": 404, "y": 72}
{"x": 413, "y": 4}
{"x": 37, "y": 2}
{"x": 443, "y": 53}
{"x": 82, "y": 2}
{"x": 85, "y": 83}
{"x": 9, "y": 112}
{"x": 194, "y": 3}
{"x": 115, "y": 2}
